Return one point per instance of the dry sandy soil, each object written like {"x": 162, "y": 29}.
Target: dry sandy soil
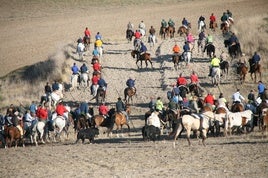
{"x": 31, "y": 31}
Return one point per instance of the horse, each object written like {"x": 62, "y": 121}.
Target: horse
{"x": 129, "y": 35}
{"x": 201, "y": 25}
{"x": 137, "y": 44}
{"x": 216, "y": 76}
{"x": 254, "y": 69}
{"x": 121, "y": 120}
{"x": 163, "y": 32}
{"x": 100, "y": 121}
{"x": 100, "y": 96}
{"x": 86, "y": 41}
{"x": 237, "y": 107}
{"x": 129, "y": 93}
{"x": 201, "y": 44}
{"x": 183, "y": 91}
{"x": 74, "y": 81}
{"x": 144, "y": 57}
{"x": 220, "y": 118}
{"x": 84, "y": 79}
{"x": 213, "y": 26}
{"x": 182, "y": 30}
{"x": 224, "y": 66}
{"x": 190, "y": 122}
{"x": 242, "y": 71}
{"x": 13, "y": 136}
{"x": 224, "y": 28}
{"x": 204, "y": 106}
{"x": 38, "y": 131}
{"x": 170, "y": 31}
{"x": 195, "y": 90}
{"x": 210, "y": 48}
{"x": 151, "y": 40}
{"x": 176, "y": 60}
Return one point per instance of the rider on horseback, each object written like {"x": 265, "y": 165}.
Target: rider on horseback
{"x": 120, "y": 108}
{"x": 201, "y": 23}
{"x": 84, "y": 68}
{"x": 185, "y": 23}
{"x": 163, "y": 23}
{"x": 212, "y": 19}
{"x": 131, "y": 83}
{"x": 61, "y": 109}
{"x": 224, "y": 19}
{"x": 103, "y": 110}
{"x": 215, "y": 63}
{"x": 130, "y": 26}
{"x": 176, "y": 49}
{"x": 181, "y": 80}
{"x": 102, "y": 84}
{"x": 237, "y": 97}
{"x": 254, "y": 61}
{"x": 87, "y": 33}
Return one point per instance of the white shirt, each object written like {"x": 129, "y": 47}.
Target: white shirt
{"x": 237, "y": 97}
{"x": 80, "y": 47}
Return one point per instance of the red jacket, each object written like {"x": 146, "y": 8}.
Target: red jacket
{"x": 181, "y": 81}
{"x": 209, "y": 99}
{"x": 42, "y": 113}
{"x": 137, "y": 35}
{"x": 212, "y": 18}
{"x": 103, "y": 110}
{"x": 95, "y": 80}
{"x": 60, "y": 109}
{"x": 194, "y": 78}
{"x": 87, "y": 33}
{"x": 96, "y": 66}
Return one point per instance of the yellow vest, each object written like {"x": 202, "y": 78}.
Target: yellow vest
{"x": 215, "y": 62}
{"x": 98, "y": 43}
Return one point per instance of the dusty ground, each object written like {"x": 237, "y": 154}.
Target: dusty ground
{"x": 34, "y": 31}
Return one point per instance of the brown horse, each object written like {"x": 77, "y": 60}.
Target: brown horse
{"x": 144, "y": 57}
{"x": 163, "y": 32}
{"x": 213, "y": 26}
{"x": 13, "y": 136}
{"x": 237, "y": 107}
{"x": 182, "y": 30}
{"x": 82, "y": 123}
{"x": 176, "y": 59}
{"x": 129, "y": 93}
{"x": 242, "y": 70}
{"x": 170, "y": 31}
{"x": 86, "y": 41}
{"x": 100, "y": 121}
{"x": 100, "y": 97}
{"x": 121, "y": 120}
{"x": 224, "y": 28}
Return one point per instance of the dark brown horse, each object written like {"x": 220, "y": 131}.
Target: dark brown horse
{"x": 144, "y": 57}
{"x": 213, "y": 26}
{"x": 176, "y": 59}
{"x": 170, "y": 31}
{"x": 182, "y": 30}
{"x": 100, "y": 121}
{"x": 254, "y": 69}
{"x": 129, "y": 93}
{"x": 224, "y": 66}
{"x": 100, "y": 97}
{"x": 13, "y": 136}
{"x": 224, "y": 28}
{"x": 86, "y": 41}
{"x": 237, "y": 107}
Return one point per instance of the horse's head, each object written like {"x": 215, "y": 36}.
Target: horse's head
{"x": 133, "y": 53}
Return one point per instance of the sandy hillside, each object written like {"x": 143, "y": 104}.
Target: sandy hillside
{"x": 47, "y": 28}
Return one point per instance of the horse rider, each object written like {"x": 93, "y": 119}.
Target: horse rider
{"x": 201, "y": 36}
{"x": 212, "y": 19}
{"x": 61, "y": 109}
{"x": 103, "y": 110}
{"x": 42, "y": 113}
{"x": 171, "y": 23}
{"x": 96, "y": 66}
{"x": 222, "y": 102}
{"x": 2, "y": 134}
{"x": 186, "y": 52}
{"x": 200, "y": 21}
{"x": 215, "y": 63}
{"x": 143, "y": 49}
{"x": 237, "y": 97}
{"x": 55, "y": 86}
{"x": 102, "y": 84}
{"x": 224, "y": 18}
{"x": 48, "y": 91}
{"x": 14, "y": 119}
{"x": 230, "y": 16}
{"x": 194, "y": 78}
{"x": 209, "y": 39}
{"x": 185, "y": 23}
{"x": 142, "y": 26}
{"x": 181, "y": 80}
{"x": 254, "y": 61}
{"x": 130, "y": 26}
{"x": 176, "y": 49}
{"x": 209, "y": 100}
{"x": 84, "y": 69}
{"x": 98, "y": 36}
{"x": 131, "y": 83}
{"x": 120, "y": 108}
{"x": 251, "y": 97}
{"x": 87, "y": 33}
{"x": 29, "y": 120}
{"x": 33, "y": 108}
{"x": 95, "y": 53}
{"x": 152, "y": 104}
{"x": 261, "y": 89}
{"x": 163, "y": 23}
{"x": 159, "y": 105}
{"x": 94, "y": 87}
{"x": 173, "y": 106}
{"x": 152, "y": 35}
{"x": 80, "y": 49}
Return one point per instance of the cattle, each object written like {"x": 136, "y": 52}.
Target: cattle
{"x": 88, "y": 133}
{"x": 239, "y": 119}
{"x": 150, "y": 132}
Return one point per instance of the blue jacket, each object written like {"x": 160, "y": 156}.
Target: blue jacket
{"x": 143, "y": 48}
{"x": 130, "y": 83}
{"x": 102, "y": 83}
{"x": 261, "y": 88}
{"x": 83, "y": 69}
{"x": 256, "y": 58}
{"x": 186, "y": 47}
{"x": 75, "y": 69}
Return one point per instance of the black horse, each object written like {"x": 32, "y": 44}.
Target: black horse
{"x": 210, "y": 49}
{"x": 234, "y": 49}
{"x": 129, "y": 35}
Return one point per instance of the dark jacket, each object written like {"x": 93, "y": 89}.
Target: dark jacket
{"x": 120, "y": 106}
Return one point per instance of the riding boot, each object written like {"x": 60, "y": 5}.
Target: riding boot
{"x": 201, "y": 124}
{"x": 210, "y": 71}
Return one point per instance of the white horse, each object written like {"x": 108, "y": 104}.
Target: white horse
{"x": 100, "y": 50}
{"x": 60, "y": 123}
{"x": 154, "y": 120}
{"x": 54, "y": 98}
{"x": 151, "y": 40}
{"x": 80, "y": 50}
{"x": 216, "y": 76}
{"x": 74, "y": 83}
{"x": 84, "y": 79}
{"x": 190, "y": 122}
{"x": 201, "y": 25}
{"x": 38, "y": 130}
{"x": 142, "y": 31}
{"x": 187, "y": 57}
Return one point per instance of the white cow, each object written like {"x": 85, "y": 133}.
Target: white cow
{"x": 154, "y": 120}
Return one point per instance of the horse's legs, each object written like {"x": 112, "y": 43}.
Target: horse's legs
{"x": 188, "y": 135}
